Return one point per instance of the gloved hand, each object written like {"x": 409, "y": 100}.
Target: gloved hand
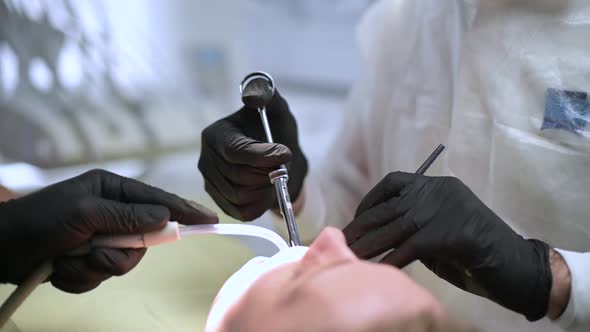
{"x": 439, "y": 221}
{"x": 49, "y": 223}
{"x": 235, "y": 162}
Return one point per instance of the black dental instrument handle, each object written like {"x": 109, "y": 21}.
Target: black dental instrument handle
{"x": 424, "y": 167}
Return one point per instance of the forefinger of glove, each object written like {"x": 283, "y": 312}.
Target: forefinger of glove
{"x": 235, "y": 147}
{"x": 391, "y": 185}
{"x": 372, "y": 218}
{"x": 101, "y": 216}
{"x": 125, "y": 190}
{"x": 393, "y": 234}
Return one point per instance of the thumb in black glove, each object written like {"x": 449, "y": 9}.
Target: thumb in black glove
{"x": 235, "y": 161}
{"x": 439, "y": 221}
{"x": 47, "y": 224}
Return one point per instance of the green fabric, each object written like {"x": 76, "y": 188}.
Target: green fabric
{"x": 10, "y": 327}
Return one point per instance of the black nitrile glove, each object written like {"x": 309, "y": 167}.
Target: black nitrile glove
{"x": 49, "y": 223}
{"x": 439, "y": 221}
{"x": 235, "y": 162}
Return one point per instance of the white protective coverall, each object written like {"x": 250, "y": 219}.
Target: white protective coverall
{"x": 502, "y": 83}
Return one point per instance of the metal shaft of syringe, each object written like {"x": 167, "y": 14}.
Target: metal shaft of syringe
{"x": 279, "y": 180}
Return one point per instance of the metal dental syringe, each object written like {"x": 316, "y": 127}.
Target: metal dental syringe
{"x": 259, "y": 98}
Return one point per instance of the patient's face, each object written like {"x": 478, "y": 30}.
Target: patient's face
{"x": 329, "y": 289}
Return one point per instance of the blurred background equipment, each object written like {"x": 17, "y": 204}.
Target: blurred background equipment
{"x": 128, "y": 86}
{"x": 77, "y": 94}
{"x": 91, "y": 82}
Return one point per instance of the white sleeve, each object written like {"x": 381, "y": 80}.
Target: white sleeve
{"x": 576, "y": 317}
{"x": 335, "y": 187}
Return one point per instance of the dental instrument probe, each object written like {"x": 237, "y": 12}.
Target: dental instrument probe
{"x": 170, "y": 233}
{"x": 424, "y": 167}
{"x": 258, "y": 99}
